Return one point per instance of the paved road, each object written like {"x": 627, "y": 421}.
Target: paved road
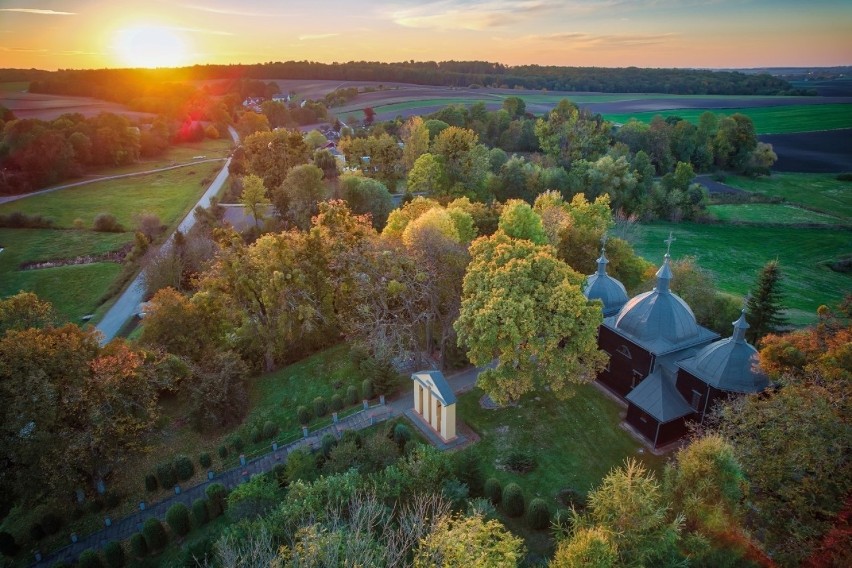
{"x": 9, "y": 198}
{"x": 127, "y": 305}
{"x": 122, "y": 529}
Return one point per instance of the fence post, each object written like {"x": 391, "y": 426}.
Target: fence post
{"x": 366, "y": 404}
{"x": 304, "y": 431}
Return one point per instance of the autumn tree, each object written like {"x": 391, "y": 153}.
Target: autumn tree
{"x": 254, "y": 198}
{"x": 569, "y": 134}
{"x": 271, "y": 155}
{"x": 764, "y": 309}
{"x": 415, "y": 139}
{"x": 251, "y": 122}
{"x": 427, "y": 175}
{"x": 23, "y": 311}
{"x": 524, "y": 307}
{"x": 297, "y": 197}
{"x": 469, "y": 541}
{"x": 366, "y": 195}
{"x": 465, "y": 161}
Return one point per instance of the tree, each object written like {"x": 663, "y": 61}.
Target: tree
{"x": 366, "y": 195}
{"x": 415, "y": 139}
{"x": 524, "y": 307}
{"x": 570, "y": 134}
{"x": 589, "y": 547}
{"x": 369, "y": 116}
{"x": 519, "y": 221}
{"x": 315, "y": 139}
{"x": 735, "y": 141}
{"x": 217, "y": 391}
{"x": 428, "y": 176}
{"x": 271, "y": 155}
{"x": 764, "y": 310}
{"x": 297, "y": 197}
{"x": 469, "y": 541}
{"x": 25, "y": 310}
{"x": 761, "y": 160}
{"x": 254, "y": 198}
{"x": 465, "y": 160}
{"x": 251, "y": 122}
{"x": 276, "y": 113}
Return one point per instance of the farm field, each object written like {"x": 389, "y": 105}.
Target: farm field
{"x": 48, "y": 107}
{"x": 767, "y": 120}
{"x": 771, "y": 214}
{"x": 736, "y": 253}
{"x": 820, "y": 192}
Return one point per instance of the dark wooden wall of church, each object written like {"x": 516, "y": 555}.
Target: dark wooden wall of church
{"x": 624, "y": 372}
{"x": 646, "y": 425}
{"x": 687, "y": 383}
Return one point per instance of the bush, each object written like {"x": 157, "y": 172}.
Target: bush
{"x": 95, "y": 506}
{"x": 367, "y": 389}
{"x": 199, "y": 512}
{"x": 51, "y": 523}
{"x": 238, "y": 444}
{"x": 37, "y": 532}
{"x": 493, "y": 490}
{"x": 336, "y": 402}
{"x": 166, "y": 475}
{"x": 513, "y": 500}
{"x": 270, "y": 429}
{"x": 320, "y": 407}
{"x": 106, "y": 223}
{"x": 18, "y": 220}
{"x": 138, "y": 546}
{"x": 184, "y": 468}
{"x": 255, "y": 435}
{"x": 151, "y": 482}
{"x": 538, "y": 515}
{"x": 401, "y": 434}
{"x": 114, "y": 555}
{"x": 520, "y": 461}
{"x": 155, "y": 535}
{"x": 410, "y": 446}
{"x": 303, "y": 415}
{"x": 89, "y": 559}
{"x": 205, "y": 461}
{"x": 468, "y": 469}
{"x": 352, "y": 436}
{"x": 845, "y": 176}
{"x": 352, "y": 395}
{"x": 327, "y": 443}
{"x": 217, "y": 496}
{"x": 178, "y": 518}
{"x": 223, "y": 452}
{"x": 8, "y": 546}
{"x": 112, "y": 500}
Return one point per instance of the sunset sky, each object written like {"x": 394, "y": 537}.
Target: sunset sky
{"x": 51, "y": 34}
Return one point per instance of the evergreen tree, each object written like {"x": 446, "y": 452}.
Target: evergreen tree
{"x": 764, "y": 309}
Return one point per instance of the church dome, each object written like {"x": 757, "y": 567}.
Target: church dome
{"x": 729, "y": 364}
{"x": 659, "y": 314}
{"x": 601, "y": 286}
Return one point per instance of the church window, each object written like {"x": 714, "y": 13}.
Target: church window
{"x": 637, "y": 378}
{"x": 696, "y": 399}
{"x": 625, "y": 351}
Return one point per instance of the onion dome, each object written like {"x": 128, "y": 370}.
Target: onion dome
{"x": 729, "y": 364}
{"x": 601, "y": 286}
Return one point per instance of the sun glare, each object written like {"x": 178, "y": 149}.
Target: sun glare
{"x": 150, "y": 46}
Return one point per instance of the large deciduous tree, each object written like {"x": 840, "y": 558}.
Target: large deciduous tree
{"x": 254, "y": 198}
{"x": 297, "y": 198}
{"x": 523, "y": 307}
{"x": 569, "y": 134}
{"x": 271, "y": 155}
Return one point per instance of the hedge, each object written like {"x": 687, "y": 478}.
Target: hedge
{"x": 155, "y": 535}
{"x": 184, "y": 468}
{"x": 199, "y": 512}
{"x": 513, "y": 500}
{"x": 178, "y": 518}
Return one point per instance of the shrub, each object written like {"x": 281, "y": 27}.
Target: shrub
{"x": 845, "y": 176}
{"x": 106, "y": 223}
{"x": 166, "y": 475}
{"x": 493, "y": 490}
{"x": 199, "y": 553}
{"x": 352, "y": 395}
{"x": 520, "y": 461}
{"x": 538, "y": 515}
{"x": 114, "y": 555}
{"x": 336, "y": 402}
{"x": 155, "y": 534}
{"x": 204, "y": 460}
{"x": 352, "y": 436}
{"x": 178, "y": 518}
{"x": 410, "y": 446}
{"x": 401, "y": 434}
{"x": 89, "y": 559}
{"x": 37, "y": 532}
{"x": 238, "y": 444}
{"x": 199, "y": 512}
{"x": 216, "y": 495}
{"x": 51, "y": 523}
{"x": 255, "y": 435}
{"x": 327, "y": 443}
{"x": 367, "y": 389}
{"x": 279, "y": 472}
{"x": 270, "y": 428}
{"x": 303, "y": 415}
{"x": 513, "y": 500}
{"x": 95, "y": 506}
{"x": 18, "y": 220}
{"x": 112, "y": 500}
{"x": 358, "y": 353}
{"x": 184, "y": 468}
{"x": 223, "y": 452}
{"x": 320, "y": 406}
{"x": 138, "y": 546}
{"x": 151, "y": 482}
{"x": 468, "y": 469}
{"x": 8, "y": 546}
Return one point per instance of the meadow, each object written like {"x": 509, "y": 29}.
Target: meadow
{"x": 819, "y": 192}
{"x": 767, "y": 120}
{"x": 772, "y": 214}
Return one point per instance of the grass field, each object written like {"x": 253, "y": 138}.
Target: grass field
{"x": 736, "y": 253}
{"x": 767, "y": 120}
{"x": 13, "y": 87}
{"x": 170, "y": 195}
{"x": 772, "y": 214}
{"x": 821, "y": 192}
{"x": 180, "y": 154}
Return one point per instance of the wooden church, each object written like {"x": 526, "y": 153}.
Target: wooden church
{"x": 662, "y": 364}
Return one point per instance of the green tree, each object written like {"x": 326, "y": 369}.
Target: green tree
{"x": 271, "y": 155}
{"x": 427, "y": 175}
{"x": 465, "y": 160}
{"x": 469, "y": 541}
{"x": 415, "y": 139}
{"x": 764, "y": 310}
{"x": 524, "y": 307}
{"x": 297, "y": 198}
{"x": 519, "y": 221}
{"x": 251, "y": 122}
{"x": 366, "y": 195}
{"x": 569, "y": 134}
{"x": 254, "y": 198}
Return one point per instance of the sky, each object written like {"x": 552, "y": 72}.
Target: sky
{"x": 52, "y": 34}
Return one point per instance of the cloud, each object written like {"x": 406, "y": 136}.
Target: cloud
{"x": 202, "y": 31}
{"x": 230, "y": 12}
{"x": 606, "y": 41}
{"x": 38, "y": 11}
{"x": 309, "y": 37}
{"x": 22, "y": 50}
{"x": 460, "y": 15}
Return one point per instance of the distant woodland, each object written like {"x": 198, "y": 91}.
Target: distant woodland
{"x": 444, "y": 73}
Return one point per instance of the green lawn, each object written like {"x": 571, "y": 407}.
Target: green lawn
{"x": 822, "y": 192}
{"x": 170, "y": 195}
{"x": 179, "y": 154}
{"x": 14, "y": 87}
{"x": 767, "y": 120}
{"x": 736, "y": 253}
{"x": 575, "y": 442}
{"x": 773, "y": 214}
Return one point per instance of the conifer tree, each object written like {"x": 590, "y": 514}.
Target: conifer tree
{"x": 764, "y": 309}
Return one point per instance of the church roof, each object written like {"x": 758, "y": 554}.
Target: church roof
{"x": 657, "y": 396}
{"x": 601, "y": 286}
{"x": 437, "y": 384}
{"x": 728, "y": 364}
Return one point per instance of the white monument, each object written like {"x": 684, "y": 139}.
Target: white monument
{"x": 435, "y": 402}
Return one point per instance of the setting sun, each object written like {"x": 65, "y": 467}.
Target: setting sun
{"x": 150, "y": 46}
